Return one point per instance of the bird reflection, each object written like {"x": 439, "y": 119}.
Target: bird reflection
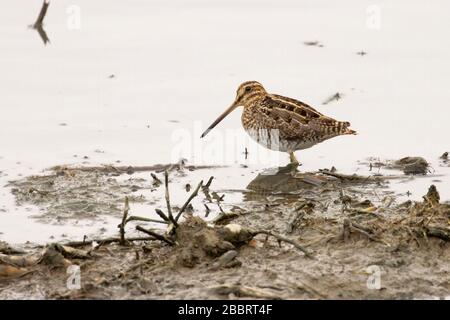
{"x": 282, "y": 181}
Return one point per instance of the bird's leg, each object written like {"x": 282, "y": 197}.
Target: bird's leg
{"x": 292, "y": 166}
{"x": 294, "y": 161}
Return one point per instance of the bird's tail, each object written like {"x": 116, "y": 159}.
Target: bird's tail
{"x": 344, "y": 126}
{"x": 350, "y": 131}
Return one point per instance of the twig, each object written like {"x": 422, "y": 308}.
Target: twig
{"x": 309, "y": 289}
{"x": 298, "y": 216}
{"x": 220, "y": 207}
{"x": 156, "y": 235}
{"x": 136, "y": 218}
{"x": 137, "y": 265}
{"x": 124, "y": 221}
{"x": 353, "y": 177}
{"x": 346, "y": 230}
{"x": 225, "y": 217}
{"x": 207, "y": 210}
{"x": 156, "y": 180}
{"x": 192, "y": 196}
{"x": 169, "y": 209}
{"x": 105, "y": 241}
{"x": 245, "y": 291}
{"x": 162, "y": 215}
{"x": 42, "y": 13}
{"x": 350, "y": 226}
{"x": 368, "y": 235}
{"x": 438, "y": 233}
{"x": 209, "y": 182}
{"x": 284, "y": 239}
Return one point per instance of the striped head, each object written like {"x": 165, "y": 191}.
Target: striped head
{"x": 247, "y": 93}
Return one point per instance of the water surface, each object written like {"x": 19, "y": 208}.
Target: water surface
{"x": 137, "y": 76}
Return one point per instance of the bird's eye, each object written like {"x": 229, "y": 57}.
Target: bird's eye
{"x": 247, "y": 89}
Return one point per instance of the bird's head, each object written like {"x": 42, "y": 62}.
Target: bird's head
{"x": 247, "y": 93}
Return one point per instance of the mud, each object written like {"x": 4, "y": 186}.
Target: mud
{"x": 65, "y": 193}
{"x": 409, "y": 165}
{"x": 350, "y": 225}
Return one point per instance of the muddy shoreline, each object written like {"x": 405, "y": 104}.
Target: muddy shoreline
{"x": 295, "y": 235}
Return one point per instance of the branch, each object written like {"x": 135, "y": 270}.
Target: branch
{"x": 353, "y": 177}
{"x": 192, "y": 196}
{"x": 162, "y": 215}
{"x": 349, "y": 226}
{"x": 124, "y": 221}
{"x": 136, "y": 218}
{"x": 156, "y": 235}
{"x": 209, "y": 182}
{"x": 284, "y": 239}
{"x": 169, "y": 209}
{"x": 438, "y": 233}
{"x": 105, "y": 241}
{"x": 156, "y": 180}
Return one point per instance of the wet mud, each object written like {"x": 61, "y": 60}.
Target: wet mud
{"x": 294, "y": 235}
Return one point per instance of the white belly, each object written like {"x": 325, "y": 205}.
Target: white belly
{"x": 270, "y": 139}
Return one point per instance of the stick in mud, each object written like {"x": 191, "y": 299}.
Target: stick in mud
{"x": 192, "y": 196}
{"x": 124, "y": 221}
{"x": 349, "y": 226}
{"x": 207, "y": 210}
{"x": 137, "y": 218}
{"x": 353, "y": 177}
{"x": 155, "y": 179}
{"x": 156, "y": 235}
{"x": 167, "y": 196}
{"x": 284, "y": 239}
{"x": 162, "y": 215}
{"x": 106, "y": 241}
{"x": 438, "y": 233}
{"x": 209, "y": 182}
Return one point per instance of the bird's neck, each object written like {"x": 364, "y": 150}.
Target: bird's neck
{"x": 250, "y": 112}
{"x": 253, "y": 99}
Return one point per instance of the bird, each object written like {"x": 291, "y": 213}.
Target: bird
{"x": 280, "y": 123}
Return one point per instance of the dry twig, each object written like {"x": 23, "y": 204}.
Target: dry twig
{"x": 284, "y": 239}
{"x": 167, "y": 196}
{"x": 124, "y": 221}
{"x": 156, "y": 235}
{"x": 192, "y": 196}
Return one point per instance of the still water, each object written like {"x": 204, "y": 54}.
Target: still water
{"x": 137, "y": 82}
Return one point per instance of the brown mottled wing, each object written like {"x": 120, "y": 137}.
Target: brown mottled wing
{"x": 297, "y": 103}
{"x": 297, "y": 120}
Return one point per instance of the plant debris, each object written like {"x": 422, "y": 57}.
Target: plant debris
{"x": 291, "y": 230}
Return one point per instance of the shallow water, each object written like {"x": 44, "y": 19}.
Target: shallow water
{"x": 176, "y": 67}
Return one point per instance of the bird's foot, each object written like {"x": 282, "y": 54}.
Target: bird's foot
{"x": 290, "y": 168}
{"x": 294, "y": 164}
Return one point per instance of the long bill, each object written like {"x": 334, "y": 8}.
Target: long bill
{"x": 220, "y": 118}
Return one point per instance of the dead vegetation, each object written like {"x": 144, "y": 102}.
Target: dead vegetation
{"x": 295, "y": 235}
{"x": 409, "y": 165}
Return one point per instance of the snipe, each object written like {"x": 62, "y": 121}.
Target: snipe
{"x": 280, "y": 123}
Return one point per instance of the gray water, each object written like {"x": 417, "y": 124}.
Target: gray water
{"x": 138, "y": 81}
